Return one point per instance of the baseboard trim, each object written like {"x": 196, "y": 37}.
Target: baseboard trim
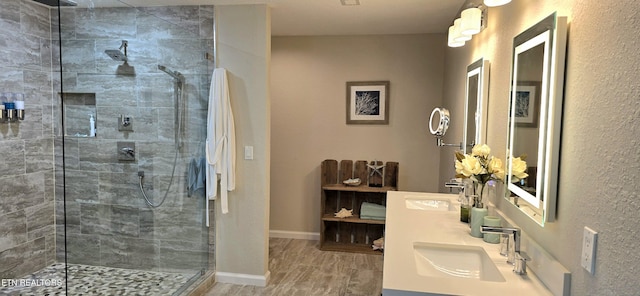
{"x": 294, "y": 234}
{"x": 243, "y": 279}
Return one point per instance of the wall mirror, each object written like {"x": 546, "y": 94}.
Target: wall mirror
{"x": 537, "y": 75}
{"x": 475, "y": 109}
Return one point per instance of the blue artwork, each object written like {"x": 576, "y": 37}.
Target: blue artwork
{"x": 367, "y": 102}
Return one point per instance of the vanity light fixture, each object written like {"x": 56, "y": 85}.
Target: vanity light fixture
{"x": 457, "y": 29}
{"x": 494, "y": 3}
{"x": 471, "y": 23}
{"x": 451, "y": 42}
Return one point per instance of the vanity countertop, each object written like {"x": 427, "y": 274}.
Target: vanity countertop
{"x": 406, "y": 226}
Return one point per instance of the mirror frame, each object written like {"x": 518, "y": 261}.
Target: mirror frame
{"x": 481, "y": 69}
{"x": 552, "y": 32}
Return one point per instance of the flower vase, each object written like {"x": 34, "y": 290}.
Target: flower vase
{"x": 478, "y": 212}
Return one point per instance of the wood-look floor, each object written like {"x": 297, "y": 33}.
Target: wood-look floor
{"x": 298, "y": 267}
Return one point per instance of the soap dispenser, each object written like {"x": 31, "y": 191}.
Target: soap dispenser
{"x": 92, "y": 126}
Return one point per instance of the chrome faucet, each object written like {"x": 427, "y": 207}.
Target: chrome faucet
{"x": 514, "y": 256}
{"x": 453, "y": 183}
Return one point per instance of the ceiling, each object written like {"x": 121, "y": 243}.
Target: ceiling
{"x": 330, "y": 17}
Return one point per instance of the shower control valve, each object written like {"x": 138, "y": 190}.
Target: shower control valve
{"x": 125, "y": 123}
{"x": 126, "y": 151}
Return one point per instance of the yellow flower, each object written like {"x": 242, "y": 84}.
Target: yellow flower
{"x": 495, "y": 167}
{"x": 468, "y": 166}
{"x": 518, "y": 168}
{"x": 481, "y": 150}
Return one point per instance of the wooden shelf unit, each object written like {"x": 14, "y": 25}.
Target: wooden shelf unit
{"x": 352, "y": 234}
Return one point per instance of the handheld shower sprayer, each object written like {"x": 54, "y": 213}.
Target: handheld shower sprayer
{"x": 179, "y": 115}
{"x": 174, "y": 74}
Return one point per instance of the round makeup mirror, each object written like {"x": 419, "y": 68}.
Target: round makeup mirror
{"x": 441, "y": 116}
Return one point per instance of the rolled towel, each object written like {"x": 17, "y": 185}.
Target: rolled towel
{"x": 372, "y": 211}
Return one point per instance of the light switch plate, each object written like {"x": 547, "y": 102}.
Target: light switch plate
{"x": 588, "y": 258}
{"x": 248, "y": 152}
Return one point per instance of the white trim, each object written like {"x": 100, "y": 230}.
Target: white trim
{"x": 294, "y": 234}
{"x": 243, "y": 279}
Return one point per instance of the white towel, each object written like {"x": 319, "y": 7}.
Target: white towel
{"x": 221, "y": 141}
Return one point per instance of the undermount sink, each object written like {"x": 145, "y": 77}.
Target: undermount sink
{"x": 455, "y": 261}
{"x": 428, "y": 203}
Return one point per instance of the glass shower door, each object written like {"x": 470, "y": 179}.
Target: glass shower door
{"x": 133, "y": 109}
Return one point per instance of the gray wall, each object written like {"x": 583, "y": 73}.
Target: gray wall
{"x": 27, "y": 234}
{"x": 599, "y": 161}
{"x": 309, "y": 75}
{"x": 108, "y": 222}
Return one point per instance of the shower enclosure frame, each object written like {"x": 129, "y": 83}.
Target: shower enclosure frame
{"x": 190, "y": 87}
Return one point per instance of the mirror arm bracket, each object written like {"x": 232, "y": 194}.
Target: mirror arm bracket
{"x": 441, "y": 143}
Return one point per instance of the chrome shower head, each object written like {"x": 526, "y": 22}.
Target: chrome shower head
{"x": 116, "y": 55}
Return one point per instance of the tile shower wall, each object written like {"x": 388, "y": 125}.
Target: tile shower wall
{"x": 27, "y": 233}
{"x": 107, "y": 222}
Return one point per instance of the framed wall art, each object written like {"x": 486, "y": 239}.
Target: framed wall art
{"x": 527, "y": 104}
{"x": 368, "y": 102}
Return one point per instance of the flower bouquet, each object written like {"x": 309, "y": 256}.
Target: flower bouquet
{"x": 480, "y": 167}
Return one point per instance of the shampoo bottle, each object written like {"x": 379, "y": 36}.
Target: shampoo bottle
{"x": 92, "y": 126}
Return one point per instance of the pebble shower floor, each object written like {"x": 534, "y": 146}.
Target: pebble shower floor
{"x": 97, "y": 280}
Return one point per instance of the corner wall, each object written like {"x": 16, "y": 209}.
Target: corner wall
{"x": 309, "y": 75}
{"x": 27, "y": 231}
{"x": 242, "y": 235}
{"x": 599, "y": 161}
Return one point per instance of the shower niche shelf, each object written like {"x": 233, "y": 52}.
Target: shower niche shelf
{"x": 353, "y": 234}
{"x": 78, "y": 109}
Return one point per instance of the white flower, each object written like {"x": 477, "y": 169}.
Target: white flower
{"x": 518, "y": 168}
{"x": 479, "y": 166}
{"x": 468, "y": 166}
{"x": 481, "y": 150}
{"x": 495, "y": 167}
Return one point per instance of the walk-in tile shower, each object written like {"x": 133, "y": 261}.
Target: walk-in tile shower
{"x": 80, "y": 215}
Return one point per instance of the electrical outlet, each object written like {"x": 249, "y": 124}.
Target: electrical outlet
{"x": 588, "y": 258}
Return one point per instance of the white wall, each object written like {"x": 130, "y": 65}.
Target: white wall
{"x": 600, "y": 159}
{"x": 309, "y": 76}
{"x": 242, "y": 236}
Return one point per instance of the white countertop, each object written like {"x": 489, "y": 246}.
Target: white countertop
{"x": 405, "y": 226}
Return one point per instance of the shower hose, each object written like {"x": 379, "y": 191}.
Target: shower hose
{"x": 144, "y": 194}
{"x": 179, "y": 84}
